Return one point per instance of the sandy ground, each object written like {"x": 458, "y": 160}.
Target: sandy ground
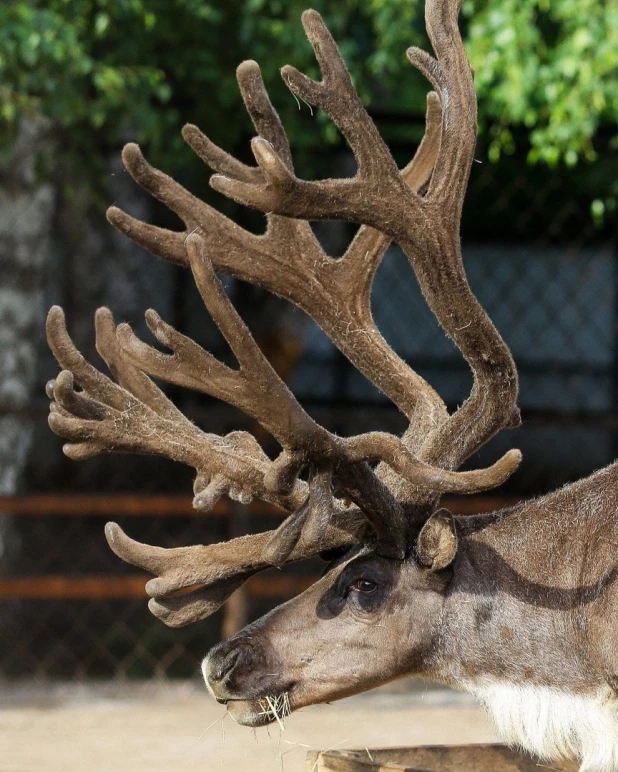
{"x": 178, "y": 728}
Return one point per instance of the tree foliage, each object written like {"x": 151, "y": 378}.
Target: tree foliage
{"x": 550, "y": 66}
{"x": 139, "y": 68}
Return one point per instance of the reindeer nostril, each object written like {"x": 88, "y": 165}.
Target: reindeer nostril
{"x": 226, "y": 665}
{"x": 221, "y": 666}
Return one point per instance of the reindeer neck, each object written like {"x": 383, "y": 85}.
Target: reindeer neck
{"x": 545, "y": 539}
{"x": 524, "y": 604}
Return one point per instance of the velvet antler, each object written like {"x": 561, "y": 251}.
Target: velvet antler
{"x": 420, "y": 208}
{"x": 134, "y": 416}
{"x": 426, "y": 227}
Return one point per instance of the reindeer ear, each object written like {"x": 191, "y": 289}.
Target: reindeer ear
{"x": 437, "y": 542}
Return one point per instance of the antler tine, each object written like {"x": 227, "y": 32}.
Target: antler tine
{"x": 420, "y": 169}
{"x": 139, "y": 418}
{"x": 127, "y": 376}
{"x": 216, "y": 158}
{"x": 321, "y": 511}
{"x": 457, "y": 89}
{"x": 69, "y": 358}
{"x": 264, "y": 116}
{"x": 265, "y": 120}
{"x": 161, "y": 242}
{"x": 336, "y": 95}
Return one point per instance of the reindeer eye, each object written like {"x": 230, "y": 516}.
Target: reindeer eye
{"x": 363, "y": 585}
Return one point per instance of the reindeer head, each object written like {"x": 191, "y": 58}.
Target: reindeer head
{"x": 369, "y": 620}
{"x": 372, "y": 497}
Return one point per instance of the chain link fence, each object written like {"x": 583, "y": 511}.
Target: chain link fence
{"x": 547, "y": 276}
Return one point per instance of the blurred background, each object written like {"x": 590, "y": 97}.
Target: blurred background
{"x": 79, "y": 78}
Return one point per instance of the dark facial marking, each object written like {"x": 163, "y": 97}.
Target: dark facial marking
{"x": 364, "y": 583}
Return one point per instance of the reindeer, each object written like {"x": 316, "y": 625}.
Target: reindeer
{"x": 517, "y": 606}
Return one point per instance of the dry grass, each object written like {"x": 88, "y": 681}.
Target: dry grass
{"x": 276, "y": 707}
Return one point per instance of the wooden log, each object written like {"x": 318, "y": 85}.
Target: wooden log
{"x": 430, "y": 758}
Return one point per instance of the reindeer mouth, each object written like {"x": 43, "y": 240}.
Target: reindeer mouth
{"x": 261, "y": 711}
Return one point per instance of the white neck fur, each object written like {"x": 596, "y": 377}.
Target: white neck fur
{"x": 554, "y": 725}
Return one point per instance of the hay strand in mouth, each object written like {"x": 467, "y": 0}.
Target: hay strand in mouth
{"x": 276, "y": 707}
{"x": 216, "y": 721}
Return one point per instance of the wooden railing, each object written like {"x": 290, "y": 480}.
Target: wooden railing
{"x": 97, "y": 586}
{"x": 116, "y": 505}
{"x": 121, "y": 505}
